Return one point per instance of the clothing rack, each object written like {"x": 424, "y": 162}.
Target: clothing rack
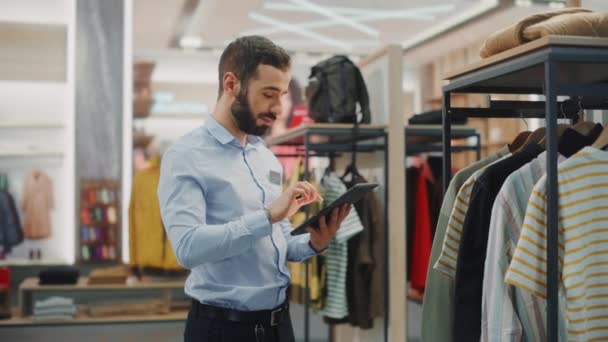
{"x": 552, "y": 66}
{"x": 326, "y": 140}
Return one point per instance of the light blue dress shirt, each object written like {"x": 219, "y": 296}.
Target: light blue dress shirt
{"x": 212, "y": 194}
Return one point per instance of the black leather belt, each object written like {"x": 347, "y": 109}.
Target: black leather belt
{"x": 266, "y": 317}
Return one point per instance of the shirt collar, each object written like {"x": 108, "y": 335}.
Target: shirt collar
{"x": 221, "y": 134}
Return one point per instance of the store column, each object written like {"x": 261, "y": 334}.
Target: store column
{"x": 99, "y": 127}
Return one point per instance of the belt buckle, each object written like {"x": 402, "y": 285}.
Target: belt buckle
{"x": 274, "y": 317}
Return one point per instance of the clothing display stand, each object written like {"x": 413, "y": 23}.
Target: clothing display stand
{"x": 340, "y": 138}
{"x": 552, "y": 66}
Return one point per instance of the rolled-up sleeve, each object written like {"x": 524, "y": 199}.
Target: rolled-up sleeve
{"x": 298, "y": 247}
{"x": 183, "y": 209}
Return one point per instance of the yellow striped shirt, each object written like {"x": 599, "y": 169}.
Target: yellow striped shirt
{"x": 446, "y": 263}
{"x": 583, "y": 251}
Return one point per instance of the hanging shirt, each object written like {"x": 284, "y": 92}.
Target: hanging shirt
{"x": 336, "y": 305}
{"x": 583, "y": 247}
{"x": 148, "y": 244}
{"x": 438, "y": 295}
{"x": 11, "y": 233}
{"x": 468, "y": 288}
{"x": 212, "y": 194}
{"x": 365, "y": 276}
{"x": 422, "y": 235}
{"x": 448, "y": 258}
{"x": 37, "y": 204}
{"x": 510, "y": 313}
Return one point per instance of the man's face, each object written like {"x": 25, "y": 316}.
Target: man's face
{"x": 258, "y": 105}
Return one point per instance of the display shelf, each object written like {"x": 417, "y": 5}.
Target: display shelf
{"x": 343, "y": 133}
{"x": 521, "y": 70}
{"x": 174, "y": 316}
{"x": 31, "y": 286}
{"x": 31, "y": 262}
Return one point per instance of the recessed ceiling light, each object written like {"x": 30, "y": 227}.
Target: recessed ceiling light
{"x": 191, "y": 42}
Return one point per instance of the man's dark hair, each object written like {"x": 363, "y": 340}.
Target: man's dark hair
{"x": 243, "y": 56}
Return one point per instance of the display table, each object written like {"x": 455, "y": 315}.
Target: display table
{"x": 30, "y": 288}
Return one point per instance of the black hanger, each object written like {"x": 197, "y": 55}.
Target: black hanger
{"x": 352, "y": 168}
{"x": 332, "y": 165}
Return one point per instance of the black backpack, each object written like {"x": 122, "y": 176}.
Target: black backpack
{"x": 335, "y": 86}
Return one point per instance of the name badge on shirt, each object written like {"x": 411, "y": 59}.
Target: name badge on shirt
{"x": 274, "y": 177}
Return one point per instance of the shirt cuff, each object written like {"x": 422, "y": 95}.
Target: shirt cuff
{"x": 314, "y": 250}
{"x": 257, "y": 224}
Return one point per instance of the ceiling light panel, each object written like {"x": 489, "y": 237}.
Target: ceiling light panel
{"x": 284, "y": 26}
{"x": 338, "y": 18}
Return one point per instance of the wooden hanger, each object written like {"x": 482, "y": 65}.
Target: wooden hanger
{"x": 584, "y": 127}
{"x": 519, "y": 140}
{"x": 561, "y": 128}
{"x": 602, "y": 141}
{"x": 533, "y": 138}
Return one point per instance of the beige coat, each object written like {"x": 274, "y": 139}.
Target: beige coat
{"x": 36, "y": 204}
{"x": 513, "y": 36}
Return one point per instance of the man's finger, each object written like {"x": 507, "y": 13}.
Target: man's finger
{"x": 343, "y": 213}
{"x": 334, "y": 217}
{"x": 322, "y": 223}
{"x": 303, "y": 191}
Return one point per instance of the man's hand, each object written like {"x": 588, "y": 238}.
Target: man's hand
{"x": 294, "y": 197}
{"x": 320, "y": 238}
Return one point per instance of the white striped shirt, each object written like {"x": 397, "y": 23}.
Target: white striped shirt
{"x": 583, "y": 244}
{"x": 446, "y": 263}
{"x": 510, "y": 313}
{"x": 336, "y": 305}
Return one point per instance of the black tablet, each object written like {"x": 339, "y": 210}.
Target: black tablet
{"x": 353, "y": 195}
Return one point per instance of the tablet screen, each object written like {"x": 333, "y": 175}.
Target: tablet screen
{"x": 353, "y": 195}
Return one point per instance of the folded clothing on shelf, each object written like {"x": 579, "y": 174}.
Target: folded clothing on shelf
{"x": 109, "y": 275}
{"x": 54, "y": 309}
{"x": 59, "y": 275}
{"x": 565, "y": 22}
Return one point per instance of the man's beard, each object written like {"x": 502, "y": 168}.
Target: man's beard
{"x": 245, "y": 119}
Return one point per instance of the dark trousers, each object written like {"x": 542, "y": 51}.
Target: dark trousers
{"x": 203, "y": 329}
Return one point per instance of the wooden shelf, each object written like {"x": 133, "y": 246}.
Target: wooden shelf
{"x": 31, "y": 262}
{"x": 573, "y": 41}
{"x": 32, "y": 284}
{"x": 175, "y": 316}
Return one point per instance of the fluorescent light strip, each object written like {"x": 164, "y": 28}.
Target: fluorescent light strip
{"x": 483, "y": 7}
{"x": 191, "y": 42}
{"x": 417, "y": 14}
{"x": 346, "y": 11}
{"x": 283, "y": 26}
{"x": 312, "y": 42}
{"x": 337, "y": 17}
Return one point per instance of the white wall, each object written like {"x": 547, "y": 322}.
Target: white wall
{"x": 38, "y": 118}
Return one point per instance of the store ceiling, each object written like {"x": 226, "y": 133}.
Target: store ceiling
{"x": 330, "y": 26}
